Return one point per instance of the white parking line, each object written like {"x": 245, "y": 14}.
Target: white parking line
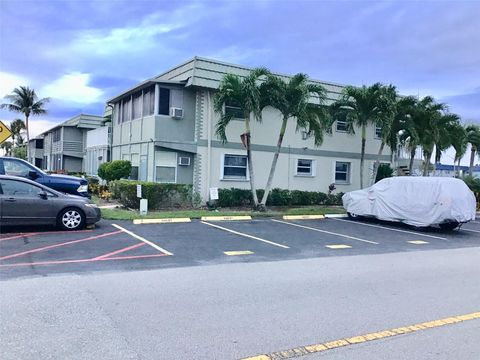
{"x": 475, "y": 231}
{"x": 155, "y": 246}
{"x": 245, "y": 235}
{"x": 397, "y": 230}
{"x": 326, "y": 232}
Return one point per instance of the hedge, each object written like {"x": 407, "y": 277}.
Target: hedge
{"x": 159, "y": 195}
{"x": 278, "y": 197}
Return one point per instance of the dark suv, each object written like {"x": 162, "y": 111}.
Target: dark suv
{"x": 63, "y": 183}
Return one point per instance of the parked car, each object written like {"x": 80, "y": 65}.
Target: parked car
{"x": 25, "y": 202}
{"x": 417, "y": 201}
{"x": 63, "y": 183}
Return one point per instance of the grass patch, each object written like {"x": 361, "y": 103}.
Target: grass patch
{"x": 122, "y": 214}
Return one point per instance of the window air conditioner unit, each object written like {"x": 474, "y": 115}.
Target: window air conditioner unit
{"x": 183, "y": 161}
{"x": 176, "y": 113}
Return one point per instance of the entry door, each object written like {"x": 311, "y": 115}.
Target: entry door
{"x": 143, "y": 168}
{"x": 21, "y": 204}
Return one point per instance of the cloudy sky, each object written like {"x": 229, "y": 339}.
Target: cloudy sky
{"x": 80, "y": 53}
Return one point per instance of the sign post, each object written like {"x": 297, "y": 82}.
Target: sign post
{"x": 5, "y": 133}
{"x": 143, "y": 202}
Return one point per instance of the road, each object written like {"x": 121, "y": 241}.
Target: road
{"x": 239, "y": 310}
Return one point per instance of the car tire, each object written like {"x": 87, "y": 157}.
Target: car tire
{"x": 71, "y": 219}
{"x": 449, "y": 226}
{"x": 353, "y": 216}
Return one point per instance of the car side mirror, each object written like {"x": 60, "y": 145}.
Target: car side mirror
{"x": 43, "y": 195}
{"x": 33, "y": 175}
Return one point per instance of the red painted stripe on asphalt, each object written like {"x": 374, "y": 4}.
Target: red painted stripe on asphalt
{"x": 119, "y": 251}
{"x": 58, "y": 245}
{"x": 28, "y": 234}
{"x": 55, "y": 262}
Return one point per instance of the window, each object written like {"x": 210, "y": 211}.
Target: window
{"x": 166, "y": 166}
{"x": 342, "y": 172}
{"x": 56, "y": 135}
{"x": 134, "y": 172}
{"x": 235, "y": 167}
{"x": 378, "y": 132}
{"x": 137, "y": 105}
{"x": 342, "y": 126}
{"x": 39, "y": 144}
{"x": 233, "y": 109}
{"x": 305, "y": 167}
{"x": 19, "y": 188}
{"x": 164, "y": 106}
{"x": 15, "y": 168}
{"x": 126, "y": 110}
{"x": 148, "y": 100}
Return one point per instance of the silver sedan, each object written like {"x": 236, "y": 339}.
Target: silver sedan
{"x": 25, "y": 202}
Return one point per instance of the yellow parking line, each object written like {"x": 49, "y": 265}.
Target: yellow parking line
{"x": 338, "y": 246}
{"x": 392, "y": 229}
{"x": 234, "y": 253}
{"x": 326, "y": 232}
{"x": 245, "y": 235}
{"x": 316, "y": 348}
{"x": 226, "y": 218}
{"x": 418, "y": 242}
{"x": 155, "y": 246}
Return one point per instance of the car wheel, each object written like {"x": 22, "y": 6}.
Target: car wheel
{"x": 353, "y": 216}
{"x": 449, "y": 226}
{"x": 71, "y": 219}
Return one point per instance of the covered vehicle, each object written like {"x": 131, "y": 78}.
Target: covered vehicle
{"x": 417, "y": 201}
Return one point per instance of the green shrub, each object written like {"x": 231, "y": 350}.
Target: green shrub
{"x": 115, "y": 170}
{"x": 158, "y": 195}
{"x": 384, "y": 171}
{"x": 278, "y": 197}
{"x": 474, "y": 184}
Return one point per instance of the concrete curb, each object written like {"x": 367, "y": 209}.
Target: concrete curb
{"x": 225, "y": 218}
{"x": 161, "y": 221}
{"x": 336, "y": 215}
{"x": 303, "y": 217}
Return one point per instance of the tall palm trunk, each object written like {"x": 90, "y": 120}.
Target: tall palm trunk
{"x": 412, "y": 158}
{"x": 472, "y": 159}
{"x": 250, "y": 162}
{"x": 362, "y": 154}
{"x": 28, "y": 137}
{"x": 426, "y": 162}
{"x": 274, "y": 163}
{"x": 377, "y": 162}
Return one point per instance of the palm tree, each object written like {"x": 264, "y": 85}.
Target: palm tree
{"x": 16, "y": 126}
{"x": 448, "y": 127}
{"x": 25, "y": 100}
{"x": 363, "y": 107}
{"x": 7, "y": 147}
{"x": 473, "y": 138}
{"x": 292, "y": 99}
{"x": 386, "y": 121}
{"x": 459, "y": 142}
{"x": 244, "y": 93}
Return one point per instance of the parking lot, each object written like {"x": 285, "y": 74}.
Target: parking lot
{"x": 121, "y": 245}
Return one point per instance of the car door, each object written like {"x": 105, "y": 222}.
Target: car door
{"x": 22, "y": 204}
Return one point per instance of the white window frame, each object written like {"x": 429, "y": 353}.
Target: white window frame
{"x": 168, "y": 166}
{"x": 222, "y": 167}
{"x": 312, "y": 168}
{"x": 349, "y": 173}
{"x": 336, "y": 126}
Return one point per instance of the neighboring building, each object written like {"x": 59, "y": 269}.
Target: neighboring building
{"x": 454, "y": 170}
{"x": 36, "y": 151}
{"x": 64, "y": 145}
{"x": 166, "y": 127}
{"x": 97, "y": 149}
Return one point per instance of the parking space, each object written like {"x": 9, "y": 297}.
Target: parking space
{"x": 121, "y": 245}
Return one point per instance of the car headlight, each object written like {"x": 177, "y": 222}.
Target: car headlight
{"x": 90, "y": 205}
{"x": 82, "y": 188}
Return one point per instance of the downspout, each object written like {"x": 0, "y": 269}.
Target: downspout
{"x": 209, "y": 138}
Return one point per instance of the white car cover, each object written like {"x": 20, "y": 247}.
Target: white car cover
{"x": 417, "y": 201}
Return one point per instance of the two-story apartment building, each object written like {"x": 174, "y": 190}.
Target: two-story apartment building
{"x": 166, "y": 127}
{"x": 64, "y": 145}
{"x": 36, "y": 151}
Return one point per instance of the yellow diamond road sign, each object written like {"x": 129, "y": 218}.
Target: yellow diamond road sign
{"x": 5, "y": 132}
